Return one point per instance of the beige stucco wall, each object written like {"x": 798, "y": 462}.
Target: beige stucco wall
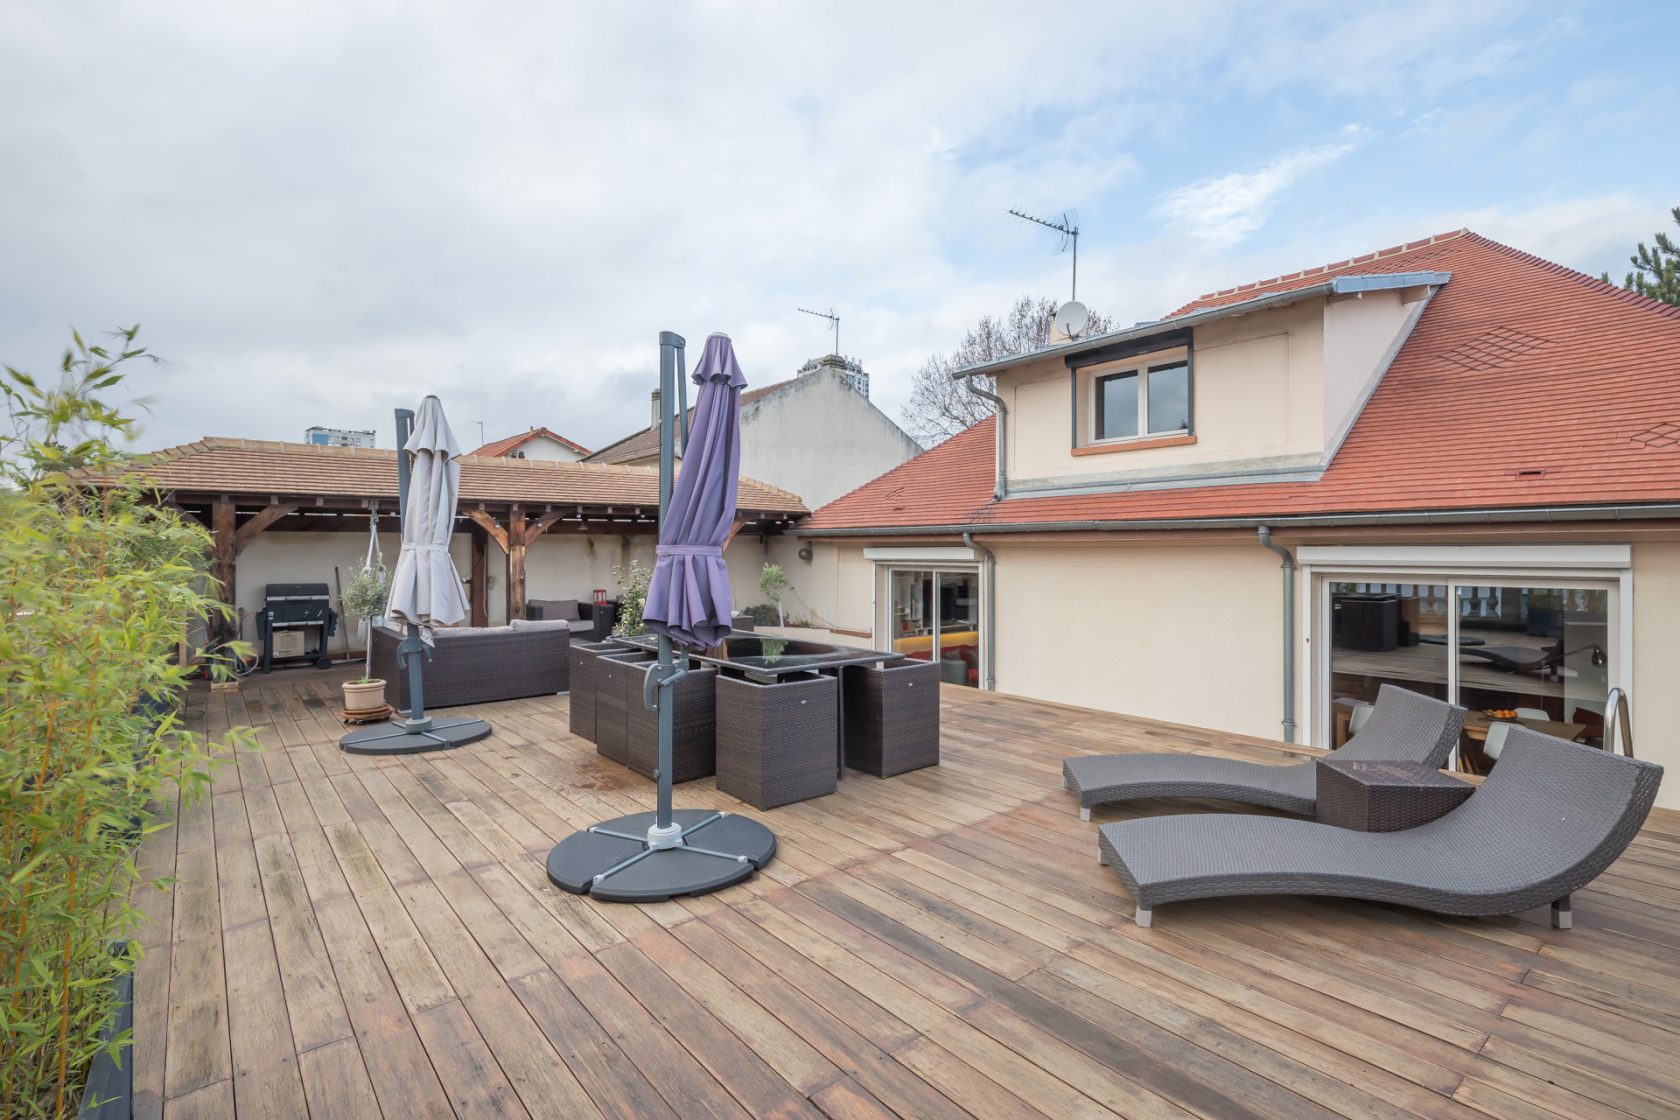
{"x": 1656, "y": 660}
{"x": 1258, "y": 389}
{"x": 1359, "y": 332}
{"x": 1180, "y": 633}
{"x": 834, "y": 589}
{"x": 557, "y": 566}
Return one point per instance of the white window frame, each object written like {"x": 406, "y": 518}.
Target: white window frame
{"x": 937, "y": 560}
{"x": 1140, "y": 365}
{"x": 1606, "y": 567}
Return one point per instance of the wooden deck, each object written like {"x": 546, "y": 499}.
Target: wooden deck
{"x": 352, "y": 937}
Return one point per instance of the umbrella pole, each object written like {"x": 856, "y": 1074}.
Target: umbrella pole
{"x": 412, "y": 646}
{"x": 628, "y": 859}
{"x": 663, "y": 833}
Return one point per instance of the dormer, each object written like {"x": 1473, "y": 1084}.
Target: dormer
{"x": 1257, "y": 390}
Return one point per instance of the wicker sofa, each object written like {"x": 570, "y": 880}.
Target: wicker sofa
{"x": 591, "y": 622}
{"x": 478, "y": 665}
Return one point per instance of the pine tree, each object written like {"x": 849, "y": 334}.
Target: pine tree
{"x": 1656, "y": 269}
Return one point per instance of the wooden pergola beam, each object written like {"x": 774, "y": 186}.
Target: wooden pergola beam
{"x": 247, "y": 532}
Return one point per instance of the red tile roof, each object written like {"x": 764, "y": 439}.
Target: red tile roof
{"x": 500, "y": 447}
{"x": 1524, "y": 384}
{"x": 246, "y": 466}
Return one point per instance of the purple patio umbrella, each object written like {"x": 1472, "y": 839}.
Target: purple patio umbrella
{"x": 649, "y": 857}
{"x": 688, "y": 599}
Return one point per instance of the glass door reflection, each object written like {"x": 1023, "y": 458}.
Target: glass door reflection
{"x": 935, "y": 616}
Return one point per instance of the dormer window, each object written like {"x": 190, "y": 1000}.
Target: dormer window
{"x": 1152, "y": 400}
{"x": 1134, "y": 401}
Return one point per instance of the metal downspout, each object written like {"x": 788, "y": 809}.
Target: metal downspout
{"x": 1002, "y": 486}
{"x": 988, "y": 609}
{"x": 1288, "y": 631}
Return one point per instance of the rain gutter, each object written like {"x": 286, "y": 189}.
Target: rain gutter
{"x": 1482, "y": 516}
{"x": 1002, "y": 485}
{"x": 1288, "y": 630}
{"x": 988, "y": 618}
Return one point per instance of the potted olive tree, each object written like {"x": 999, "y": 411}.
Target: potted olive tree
{"x": 774, "y": 583}
{"x": 365, "y": 597}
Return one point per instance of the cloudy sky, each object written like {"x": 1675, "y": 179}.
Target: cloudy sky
{"x": 322, "y": 210}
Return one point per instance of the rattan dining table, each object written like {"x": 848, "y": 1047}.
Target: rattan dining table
{"x": 755, "y": 655}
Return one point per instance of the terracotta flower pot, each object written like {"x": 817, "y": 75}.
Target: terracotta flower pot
{"x": 364, "y": 696}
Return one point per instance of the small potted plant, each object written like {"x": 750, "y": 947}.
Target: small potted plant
{"x": 774, "y": 583}
{"x": 365, "y": 597}
{"x": 632, "y": 600}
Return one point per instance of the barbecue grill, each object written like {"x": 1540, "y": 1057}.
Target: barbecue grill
{"x": 289, "y": 608}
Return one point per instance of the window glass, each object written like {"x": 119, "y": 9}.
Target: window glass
{"x": 1117, "y": 405}
{"x": 1169, "y": 398}
{"x": 1384, "y": 633}
{"x": 1534, "y": 656}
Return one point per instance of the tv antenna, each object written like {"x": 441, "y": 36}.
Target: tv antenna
{"x": 1070, "y": 238}
{"x": 832, "y": 317}
{"x": 480, "y": 424}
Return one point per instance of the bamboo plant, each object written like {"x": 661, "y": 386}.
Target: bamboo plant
{"x": 99, "y": 583}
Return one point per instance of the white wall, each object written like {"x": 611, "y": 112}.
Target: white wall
{"x": 548, "y": 450}
{"x": 557, "y": 566}
{"x": 1656, "y": 661}
{"x": 819, "y": 438}
{"x": 1184, "y": 633}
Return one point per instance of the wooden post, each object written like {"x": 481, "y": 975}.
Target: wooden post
{"x": 223, "y": 529}
{"x": 478, "y": 588}
{"x": 516, "y": 539}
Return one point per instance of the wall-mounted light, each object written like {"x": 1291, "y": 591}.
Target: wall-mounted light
{"x": 805, "y": 552}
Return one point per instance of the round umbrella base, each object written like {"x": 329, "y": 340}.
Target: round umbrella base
{"x": 613, "y": 862}
{"x": 396, "y": 738}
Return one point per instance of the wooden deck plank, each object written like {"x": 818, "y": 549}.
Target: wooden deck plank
{"x": 356, "y": 936}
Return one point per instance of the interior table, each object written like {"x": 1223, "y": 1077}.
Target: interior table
{"x": 768, "y": 659}
{"x": 1476, "y": 726}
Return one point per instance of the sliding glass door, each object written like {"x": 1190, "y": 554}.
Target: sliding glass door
{"x": 934, "y": 615}
{"x": 1540, "y": 653}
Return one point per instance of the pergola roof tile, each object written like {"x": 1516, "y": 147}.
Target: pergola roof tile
{"x": 219, "y": 465}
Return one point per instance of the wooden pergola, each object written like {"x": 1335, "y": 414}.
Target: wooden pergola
{"x": 240, "y": 489}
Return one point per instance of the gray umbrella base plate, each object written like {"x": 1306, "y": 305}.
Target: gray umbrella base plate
{"x": 577, "y": 861}
{"x": 390, "y": 738}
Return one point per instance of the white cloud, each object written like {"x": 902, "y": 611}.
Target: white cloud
{"x": 1225, "y": 209}
{"x": 320, "y": 211}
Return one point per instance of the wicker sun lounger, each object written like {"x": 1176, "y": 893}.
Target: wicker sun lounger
{"x": 1405, "y": 726}
{"x": 1550, "y": 817}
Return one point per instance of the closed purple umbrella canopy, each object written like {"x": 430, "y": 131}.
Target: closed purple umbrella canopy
{"x": 688, "y": 599}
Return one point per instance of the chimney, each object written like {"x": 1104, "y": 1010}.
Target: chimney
{"x": 655, "y": 422}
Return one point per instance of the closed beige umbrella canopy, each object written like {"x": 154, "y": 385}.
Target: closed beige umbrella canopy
{"x": 425, "y": 588}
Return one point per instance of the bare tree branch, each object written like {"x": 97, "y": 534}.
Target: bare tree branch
{"x": 939, "y": 406}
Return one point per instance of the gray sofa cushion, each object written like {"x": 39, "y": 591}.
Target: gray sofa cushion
{"x": 540, "y": 624}
{"x": 550, "y": 609}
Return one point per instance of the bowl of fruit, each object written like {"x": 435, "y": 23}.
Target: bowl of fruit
{"x": 1499, "y": 713}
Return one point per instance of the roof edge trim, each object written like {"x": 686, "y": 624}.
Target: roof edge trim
{"x": 1340, "y": 285}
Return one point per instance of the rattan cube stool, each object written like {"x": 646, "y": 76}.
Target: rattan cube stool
{"x": 892, "y": 717}
{"x": 775, "y": 742}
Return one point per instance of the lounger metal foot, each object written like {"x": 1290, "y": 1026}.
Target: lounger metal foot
{"x": 1144, "y": 916}
{"x": 1102, "y": 857}
{"x": 1084, "y": 812}
{"x": 1563, "y": 913}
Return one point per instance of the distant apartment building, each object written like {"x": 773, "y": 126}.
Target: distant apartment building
{"x": 337, "y": 437}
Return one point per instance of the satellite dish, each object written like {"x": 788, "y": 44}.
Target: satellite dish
{"x": 1072, "y": 319}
